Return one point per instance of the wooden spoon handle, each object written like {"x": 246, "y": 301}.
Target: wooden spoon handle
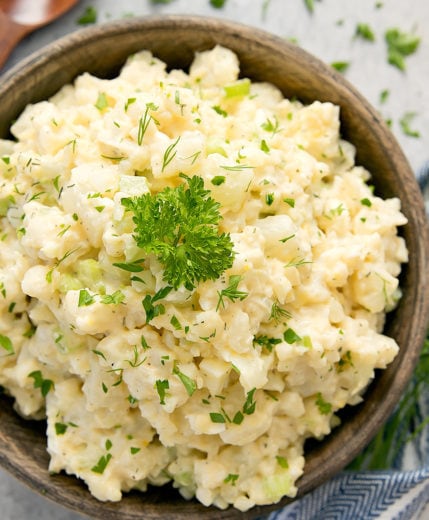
{"x": 11, "y": 34}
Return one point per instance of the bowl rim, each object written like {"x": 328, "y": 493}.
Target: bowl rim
{"x": 84, "y": 37}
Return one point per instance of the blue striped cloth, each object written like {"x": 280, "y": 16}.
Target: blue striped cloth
{"x": 400, "y": 493}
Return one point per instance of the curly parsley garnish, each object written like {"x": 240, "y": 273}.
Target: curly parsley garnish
{"x": 180, "y": 227}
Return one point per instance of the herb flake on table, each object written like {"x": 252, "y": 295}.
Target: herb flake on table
{"x": 364, "y": 31}
{"x": 340, "y": 66}
{"x": 405, "y": 123}
{"x": 400, "y": 44}
{"x": 384, "y": 95}
{"x": 88, "y": 17}
{"x": 309, "y": 4}
{"x": 218, "y": 4}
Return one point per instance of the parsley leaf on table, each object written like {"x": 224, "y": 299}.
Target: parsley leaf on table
{"x": 400, "y": 45}
{"x": 88, "y": 17}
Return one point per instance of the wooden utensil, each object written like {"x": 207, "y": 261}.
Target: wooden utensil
{"x": 21, "y": 17}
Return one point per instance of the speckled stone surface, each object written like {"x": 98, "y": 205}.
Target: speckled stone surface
{"x": 330, "y": 34}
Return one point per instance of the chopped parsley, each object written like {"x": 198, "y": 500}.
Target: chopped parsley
{"x": 176, "y": 323}
{"x": 152, "y": 311}
{"x": 264, "y": 146}
{"x": 384, "y": 95}
{"x": 340, "y": 66}
{"x": 220, "y": 111}
{"x": 102, "y": 464}
{"x": 115, "y": 298}
{"x": 85, "y": 298}
{"x": 6, "y": 344}
{"x": 405, "y": 122}
{"x": 269, "y": 199}
{"x": 291, "y": 202}
{"x": 189, "y": 384}
{"x": 180, "y": 226}
{"x": 290, "y": 336}
{"x": 364, "y": 31}
{"x": 400, "y": 45}
{"x": 217, "y": 418}
{"x": 282, "y": 462}
{"x": 162, "y": 385}
{"x": 88, "y": 17}
{"x": 231, "y": 479}
{"x": 45, "y": 385}
{"x": 129, "y": 102}
{"x": 60, "y": 428}
{"x": 238, "y": 418}
{"x": 271, "y": 125}
{"x": 218, "y": 4}
{"x": 324, "y": 407}
{"x": 266, "y": 342}
{"x": 309, "y": 4}
{"x": 249, "y": 405}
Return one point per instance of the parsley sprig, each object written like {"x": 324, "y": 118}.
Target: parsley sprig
{"x": 180, "y": 227}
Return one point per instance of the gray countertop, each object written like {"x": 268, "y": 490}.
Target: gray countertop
{"x": 330, "y": 34}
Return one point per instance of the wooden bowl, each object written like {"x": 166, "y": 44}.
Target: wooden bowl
{"x": 102, "y": 50}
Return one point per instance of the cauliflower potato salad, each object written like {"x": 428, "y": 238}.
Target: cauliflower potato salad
{"x": 194, "y": 278}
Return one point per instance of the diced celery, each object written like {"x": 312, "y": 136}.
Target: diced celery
{"x": 239, "y": 88}
{"x": 4, "y": 205}
{"x": 132, "y": 185}
{"x": 132, "y": 251}
{"x": 184, "y": 479}
{"x": 69, "y": 282}
{"x": 277, "y": 486}
{"x": 306, "y": 341}
{"x": 216, "y": 146}
{"x": 89, "y": 273}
